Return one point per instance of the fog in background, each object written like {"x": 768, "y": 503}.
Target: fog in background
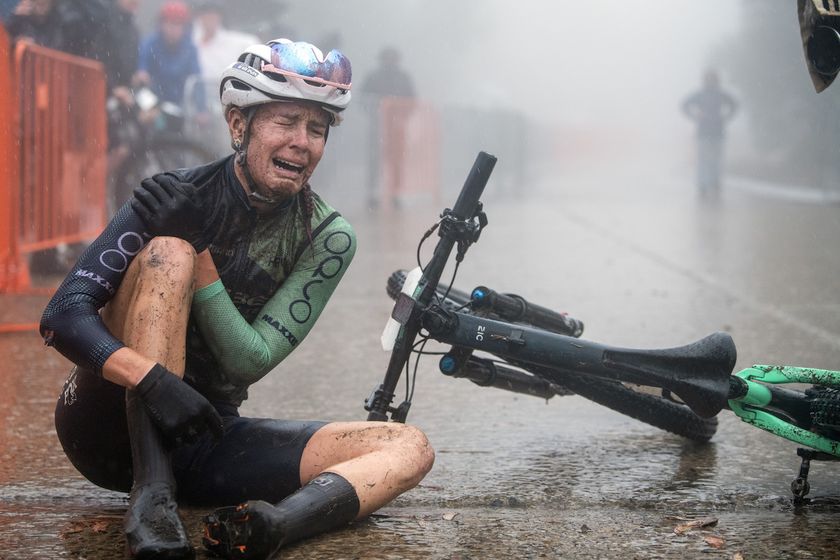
{"x": 613, "y": 63}
{"x": 605, "y": 75}
{"x": 587, "y": 80}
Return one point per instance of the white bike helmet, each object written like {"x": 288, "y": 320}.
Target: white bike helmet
{"x": 284, "y": 70}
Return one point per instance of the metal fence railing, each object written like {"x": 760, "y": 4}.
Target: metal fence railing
{"x": 53, "y": 158}
{"x": 63, "y": 147}
{"x": 13, "y": 271}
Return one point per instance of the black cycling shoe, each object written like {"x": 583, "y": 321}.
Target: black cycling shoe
{"x": 247, "y": 531}
{"x": 153, "y": 528}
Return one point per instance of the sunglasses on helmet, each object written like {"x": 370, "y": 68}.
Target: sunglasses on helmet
{"x": 307, "y": 62}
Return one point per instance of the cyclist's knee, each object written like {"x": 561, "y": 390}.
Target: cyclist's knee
{"x": 167, "y": 251}
{"x": 171, "y": 256}
{"x": 418, "y": 451}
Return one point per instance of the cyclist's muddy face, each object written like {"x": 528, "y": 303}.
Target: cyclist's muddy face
{"x": 285, "y": 145}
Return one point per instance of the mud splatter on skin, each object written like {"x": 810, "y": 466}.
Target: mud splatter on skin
{"x": 160, "y": 284}
{"x": 374, "y": 433}
{"x": 155, "y": 260}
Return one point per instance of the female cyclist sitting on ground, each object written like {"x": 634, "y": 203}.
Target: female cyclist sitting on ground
{"x": 198, "y": 287}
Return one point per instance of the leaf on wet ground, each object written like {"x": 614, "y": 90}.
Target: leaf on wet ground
{"x": 99, "y": 525}
{"x": 449, "y": 515}
{"x": 695, "y": 524}
{"x": 714, "y": 541}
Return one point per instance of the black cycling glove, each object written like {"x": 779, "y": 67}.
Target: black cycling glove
{"x": 181, "y": 412}
{"x": 167, "y": 207}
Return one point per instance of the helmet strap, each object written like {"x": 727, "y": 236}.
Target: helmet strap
{"x": 241, "y": 148}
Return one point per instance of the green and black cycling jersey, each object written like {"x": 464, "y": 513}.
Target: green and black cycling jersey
{"x": 273, "y": 285}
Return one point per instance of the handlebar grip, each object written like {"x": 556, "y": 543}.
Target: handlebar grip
{"x": 512, "y": 307}
{"x": 485, "y": 373}
{"x": 477, "y": 179}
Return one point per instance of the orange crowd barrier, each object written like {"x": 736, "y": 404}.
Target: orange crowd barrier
{"x": 13, "y": 270}
{"x": 53, "y": 157}
{"x": 410, "y": 148}
{"x": 63, "y": 148}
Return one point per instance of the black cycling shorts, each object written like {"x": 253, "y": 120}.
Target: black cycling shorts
{"x": 257, "y": 459}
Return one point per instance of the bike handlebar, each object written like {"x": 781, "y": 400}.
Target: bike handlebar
{"x": 467, "y": 203}
{"x": 459, "y": 218}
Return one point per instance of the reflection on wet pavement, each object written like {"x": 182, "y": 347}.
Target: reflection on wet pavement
{"x": 515, "y": 477}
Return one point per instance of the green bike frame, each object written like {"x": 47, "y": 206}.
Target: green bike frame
{"x": 749, "y": 407}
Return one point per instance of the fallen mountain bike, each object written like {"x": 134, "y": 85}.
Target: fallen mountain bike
{"x": 536, "y": 351}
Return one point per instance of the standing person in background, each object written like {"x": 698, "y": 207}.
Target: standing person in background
{"x": 216, "y": 44}
{"x": 51, "y": 24}
{"x": 121, "y": 49}
{"x": 710, "y": 108}
{"x": 168, "y": 57}
{"x": 6, "y": 8}
{"x": 388, "y": 92}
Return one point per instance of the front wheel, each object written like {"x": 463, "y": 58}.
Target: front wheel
{"x": 658, "y": 411}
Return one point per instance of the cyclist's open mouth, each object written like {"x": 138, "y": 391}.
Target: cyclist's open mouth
{"x": 287, "y": 166}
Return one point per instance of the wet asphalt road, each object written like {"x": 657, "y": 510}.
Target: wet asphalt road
{"x": 644, "y": 263}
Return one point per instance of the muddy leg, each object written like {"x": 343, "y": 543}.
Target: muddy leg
{"x": 348, "y": 470}
{"x": 150, "y": 313}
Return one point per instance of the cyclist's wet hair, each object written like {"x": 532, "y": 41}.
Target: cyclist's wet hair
{"x": 307, "y": 209}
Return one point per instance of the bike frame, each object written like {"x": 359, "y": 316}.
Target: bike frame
{"x": 559, "y": 354}
{"x": 753, "y": 407}
{"x": 698, "y": 373}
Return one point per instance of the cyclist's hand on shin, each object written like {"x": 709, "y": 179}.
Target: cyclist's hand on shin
{"x": 181, "y": 412}
{"x": 167, "y": 207}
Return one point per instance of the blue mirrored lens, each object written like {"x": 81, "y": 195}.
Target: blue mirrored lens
{"x": 301, "y": 58}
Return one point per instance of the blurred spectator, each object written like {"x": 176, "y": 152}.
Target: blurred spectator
{"x": 6, "y": 9}
{"x": 388, "y": 93}
{"x": 168, "y": 56}
{"x": 710, "y": 108}
{"x": 120, "y": 50}
{"x": 389, "y": 79}
{"x": 52, "y": 24}
{"x": 103, "y": 30}
{"x": 217, "y": 45}
{"x": 120, "y": 54}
